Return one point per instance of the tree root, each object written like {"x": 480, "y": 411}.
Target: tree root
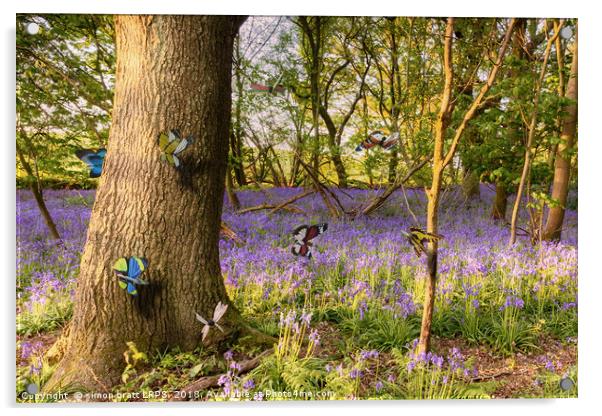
{"x": 207, "y": 382}
{"x": 291, "y": 208}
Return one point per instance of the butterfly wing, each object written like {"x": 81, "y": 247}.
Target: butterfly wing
{"x": 205, "y": 331}
{"x": 301, "y": 249}
{"x": 314, "y": 231}
{"x": 136, "y": 266}
{"x": 259, "y": 87}
{"x": 389, "y": 142}
{"x": 296, "y": 248}
{"x": 172, "y": 143}
{"x": 219, "y": 311}
{"x": 93, "y": 159}
{"x": 376, "y": 137}
{"x": 369, "y": 143}
{"x": 418, "y": 237}
{"x": 174, "y": 139}
{"x": 172, "y": 160}
{"x": 201, "y": 319}
{"x": 279, "y": 89}
{"x": 423, "y": 235}
{"x": 183, "y": 143}
{"x": 300, "y": 233}
{"x": 121, "y": 266}
{"x": 417, "y": 245}
{"x": 163, "y": 140}
{"x": 122, "y": 284}
{"x": 131, "y": 288}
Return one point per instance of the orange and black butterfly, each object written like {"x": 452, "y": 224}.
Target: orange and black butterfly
{"x": 417, "y": 238}
{"x": 303, "y": 236}
{"x": 378, "y": 138}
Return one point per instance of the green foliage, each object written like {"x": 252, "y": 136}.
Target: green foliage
{"x": 550, "y": 383}
{"x": 510, "y": 333}
{"x": 381, "y": 329}
{"x": 420, "y": 380}
{"x": 305, "y": 375}
{"x": 45, "y": 317}
{"x": 64, "y": 93}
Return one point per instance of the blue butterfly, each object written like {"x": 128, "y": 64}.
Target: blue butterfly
{"x": 93, "y": 159}
{"x": 128, "y": 271}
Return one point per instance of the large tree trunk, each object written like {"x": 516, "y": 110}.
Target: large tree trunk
{"x": 172, "y": 72}
{"x": 562, "y": 167}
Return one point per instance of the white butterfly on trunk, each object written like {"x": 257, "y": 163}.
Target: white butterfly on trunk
{"x": 220, "y": 310}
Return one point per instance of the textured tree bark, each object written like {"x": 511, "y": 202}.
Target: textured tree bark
{"x": 172, "y": 72}
{"x": 562, "y": 167}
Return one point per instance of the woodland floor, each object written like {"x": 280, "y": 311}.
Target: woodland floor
{"x": 516, "y": 375}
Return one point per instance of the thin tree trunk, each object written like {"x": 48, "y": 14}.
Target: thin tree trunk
{"x": 335, "y": 149}
{"x": 232, "y": 197}
{"x": 441, "y": 160}
{"x": 236, "y": 144}
{"x": 562, "y": 169}
{"x": 470, "y": 185}
{"x": 145, "y": 207}
{"x": 443, "y": 120}
{"x": 531, "y": 135}
{"x": 38, "y": 194}
{"x": 314, "y": 38}
{"x": 500, "y": 202}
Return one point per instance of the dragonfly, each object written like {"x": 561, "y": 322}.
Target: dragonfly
{"x": 218, "y": 312}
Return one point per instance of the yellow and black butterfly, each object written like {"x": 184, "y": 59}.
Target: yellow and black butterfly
{"x": 172, "y": 144}
{"x": 418, "y": 237}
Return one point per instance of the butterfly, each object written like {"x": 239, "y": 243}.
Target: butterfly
{"x": 377, "y": 138}
{"x": 128, "y": 271}
{"x": 93, "y": 159}
{"x": 303, "y": 236}
{"x": 391, "y": 141}
{"x": 220, "y": 310}
{"x": 275, "y": 89}
{"x": 172, "y": 144}
{"x": 418, "y": 237}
